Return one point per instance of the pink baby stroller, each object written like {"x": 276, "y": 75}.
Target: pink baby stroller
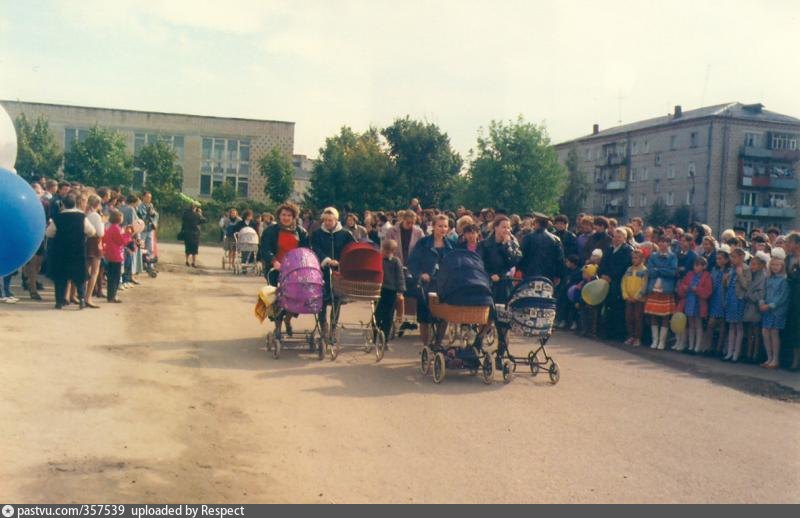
{"x": 300, "y": 289}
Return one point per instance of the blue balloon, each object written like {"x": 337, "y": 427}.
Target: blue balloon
{"x": 22, "y": 222}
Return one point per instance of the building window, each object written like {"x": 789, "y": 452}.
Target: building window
{"x": 752, "y": 139}
{"x": 644, "y": 174}
{"x": 671, "y": 171}
{"x": 694, "y": 139}
{"x": 72, "y": 135}
{"x": 748, "y": 198}
{"x": 634, "y": 147}
{"x": 632, "y": 177}
{"x": 777, "y": 200}
{"x": 657, "y": 185}
{"x": 689, "y": 197}
{"x": 783, "y": 141}
{"x": 673, "y": 142}
{"x": 631, "y": 200}
{"x": 225, "y": 160}
{"x": 670, "y": 199}
{"x": 691, "y": 170}
{"x": 588, "y": 153}
{"x": 645, "y": 146}
{"x": 658, "y": 158}
{"x": 643, "y": 200}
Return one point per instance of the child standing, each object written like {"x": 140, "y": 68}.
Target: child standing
{"x": 394, "y": 284}
{"x": 634, "y": 285}
{"x": 753, "y": 297}
{"x": 774, "y": 308}
{"x": 716, "y": 309}
{"x": 662, "y": 269}
{"x": 115, "y": 240}
{"x": 567, "y": 315}
{"x": 694, "y": 291}
{"x": 735, "y": 290}
{"x": 589, "y": 313}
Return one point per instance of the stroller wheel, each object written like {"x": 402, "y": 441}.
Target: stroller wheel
{"x": 320, "y": 348}
{"x": 380, "y": 345}
{"x": 276, "y": 351}
{"x": 554, "y": 372}
{"x": 487, "y": 369}
{"x": 508, "y": 371}
{"x": 438, "y": 368}
{"x": 424, "y": 361}
{"x": 533, "y": 363}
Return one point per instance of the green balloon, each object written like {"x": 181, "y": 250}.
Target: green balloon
{"x": 595, "y": 292}
{"x": 678, "y": 323}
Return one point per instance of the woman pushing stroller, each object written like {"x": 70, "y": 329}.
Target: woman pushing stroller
{"x": 500, "y": 252}
{"x": 276, "y": 241}
{"x": 327, "y": 242}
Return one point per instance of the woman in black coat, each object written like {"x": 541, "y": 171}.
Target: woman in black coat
{"x": 190, "y": 228}
{"x": 327, "y": 242}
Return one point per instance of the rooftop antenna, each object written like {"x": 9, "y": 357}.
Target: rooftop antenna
{"x": 705, "y": 85}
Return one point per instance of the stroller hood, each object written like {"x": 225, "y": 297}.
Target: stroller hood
{"x": 462, "y": 280}
{"x": 296, "y": 259}
{"x": 361, "y": 262}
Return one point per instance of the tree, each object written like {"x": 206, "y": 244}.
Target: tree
{"x": 682, "y": 216}
{"x": 353, "y": 169}
{"x": 37, "y": 151}
{"x": 577, "y": 189}
{"x": 100, "y": 159}
{"x": 224, "y": 194}
{"x": 426, "y": 164}
{"x": 659, "y": 214}
{"x": 161, "y": 174}
{"x": 516, "y": 169}
{"x": 278, "y": 171}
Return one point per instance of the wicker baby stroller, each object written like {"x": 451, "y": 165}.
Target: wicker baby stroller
{"x": 299, "y": 292}
{"x": 359, "y": 278}
{"x": 531, "y": 312}
{"x": 463, "y": 297}
{"x": 246, "y": 252}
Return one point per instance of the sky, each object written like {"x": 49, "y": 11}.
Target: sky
{"x": 457, "y": 63}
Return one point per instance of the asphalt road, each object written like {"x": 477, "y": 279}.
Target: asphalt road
{"x": 171, "y": 397}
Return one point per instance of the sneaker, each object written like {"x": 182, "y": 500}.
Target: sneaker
{"x": 10, "y": 300}
{"x": 560, "y": 325}
{"x": 636, "y": 343}
{"x": 574, "y": 326}
{"x": 629, "y": 341}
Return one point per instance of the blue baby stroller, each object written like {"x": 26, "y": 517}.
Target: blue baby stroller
{"x": 531, "y": 312}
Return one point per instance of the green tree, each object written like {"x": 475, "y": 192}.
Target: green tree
{"x": 659, "y": 214}
{"x": 577, "y": 188}
{"x": 426, "y": 164}
{"x": 224, "y": 194}
{"x": 682, "y": 216}
{"x": 278, "y": 171}
{"x": 515, "y": 168}
{"x": 100, "y": 159}
{"x": 162, "y": 176}
{"x": 353, "y": 169}
{"x": 37, "y": 151}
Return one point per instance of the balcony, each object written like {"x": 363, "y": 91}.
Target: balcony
{"x": 769, "y": 182}
{"x": 615, "y": 185}
{"x": 786, "y": 155}
{"x": 765, "y": 212}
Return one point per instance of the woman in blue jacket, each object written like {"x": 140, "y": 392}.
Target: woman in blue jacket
{"x": 423, "y": 264}
{"x": 662, "y": 271}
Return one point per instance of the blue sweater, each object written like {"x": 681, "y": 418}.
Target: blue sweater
{"x": 665, "y": 268}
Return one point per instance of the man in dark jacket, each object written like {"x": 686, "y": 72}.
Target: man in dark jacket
{"x": 616, "y": 261}
{"x": 568, "y": 239}
{"x": 542, "y": 253}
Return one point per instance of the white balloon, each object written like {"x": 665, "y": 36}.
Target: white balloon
{"x": 8, "y": 141}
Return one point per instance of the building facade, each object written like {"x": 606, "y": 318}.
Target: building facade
{"x": 731, "y": 164}
{"x": 303, "y": 168}
{"x": 211, "y": 150}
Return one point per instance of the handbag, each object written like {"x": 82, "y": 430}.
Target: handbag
{"x": 181, "y": 235}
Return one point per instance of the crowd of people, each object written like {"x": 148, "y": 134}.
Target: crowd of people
{"x": 737, "y": 293}
{"x": 97, "y": 243}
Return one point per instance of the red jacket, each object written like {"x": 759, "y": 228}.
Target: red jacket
{"x": 703, "y": 291}
{"x": 114, "y": 241}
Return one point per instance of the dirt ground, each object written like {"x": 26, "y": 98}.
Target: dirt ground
{"x": 171, "y": 397}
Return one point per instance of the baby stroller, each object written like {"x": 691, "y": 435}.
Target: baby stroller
{"x": 246, "y": 251}
{"x": 530, "y": 312}
{"x": 149, "y": 263}
{"x": 359, "y": 278}
{"x": 299, "y": 292}
{"x": 463, "y": 297}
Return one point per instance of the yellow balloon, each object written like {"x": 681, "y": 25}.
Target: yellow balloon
{"x": 595, "y": 292}
{"x": 678, "y": 323}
